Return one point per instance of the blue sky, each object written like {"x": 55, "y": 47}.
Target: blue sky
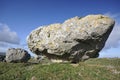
{"x": 19, "y": 17}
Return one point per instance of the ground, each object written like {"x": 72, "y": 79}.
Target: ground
{"x": 92, "y": 69}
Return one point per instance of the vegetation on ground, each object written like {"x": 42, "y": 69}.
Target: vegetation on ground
{"x": 92, "y": 69}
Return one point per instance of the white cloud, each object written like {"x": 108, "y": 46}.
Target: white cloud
{"x": 4, "y": 46}
{"x": 112, "y": 46}
{"x": 114, "y": 38}
{"x": 6, "y": 35}
{"x": 114, "y": 16}
{"x": 8, "y": 38}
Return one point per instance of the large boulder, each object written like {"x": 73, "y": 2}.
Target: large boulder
{"x": 74, "y": 40}
{"x": 17, "y": 55}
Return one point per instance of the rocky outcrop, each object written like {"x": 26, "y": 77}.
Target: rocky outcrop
{"x": 75, "y": 40}
{"x": 17, "y": 55}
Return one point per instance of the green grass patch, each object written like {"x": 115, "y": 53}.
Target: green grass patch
{"x": 92, "y": 69}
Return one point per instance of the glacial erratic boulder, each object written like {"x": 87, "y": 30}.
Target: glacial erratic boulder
{"x": 74, "y": 40}
{"x": 17, "y": 55}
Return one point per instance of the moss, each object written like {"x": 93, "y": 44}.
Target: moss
{"x": 48, "y": 35}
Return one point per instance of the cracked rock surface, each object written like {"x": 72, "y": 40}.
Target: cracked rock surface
{"x": 74, "y": 40}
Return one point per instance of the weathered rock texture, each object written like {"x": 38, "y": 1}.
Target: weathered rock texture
{"x": 75, "y": 40}
{"x": 17, "y": 55}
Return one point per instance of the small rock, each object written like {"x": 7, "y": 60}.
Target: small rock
{"x": 17, "y": 55}
{"x": 33, "y": 78}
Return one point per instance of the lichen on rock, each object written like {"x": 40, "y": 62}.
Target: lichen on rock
{"x": 74, "y": 40}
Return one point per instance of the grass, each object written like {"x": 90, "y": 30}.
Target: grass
{"x": 92, "y": 69}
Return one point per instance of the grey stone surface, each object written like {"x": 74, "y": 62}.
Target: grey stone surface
{"x": 17, "y": 55}
{"x": 74, "y": 40}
